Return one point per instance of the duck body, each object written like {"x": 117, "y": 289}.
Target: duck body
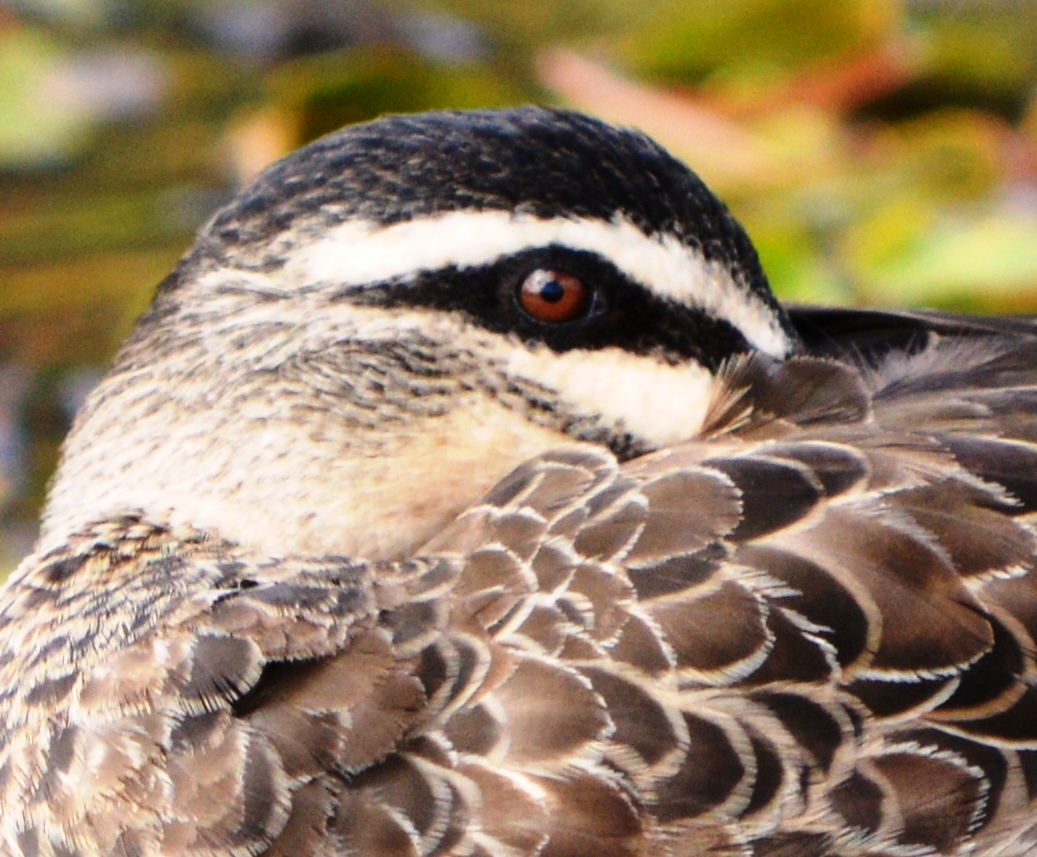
{"x": 465, "y": 492}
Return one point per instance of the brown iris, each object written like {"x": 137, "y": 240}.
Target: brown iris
{"x": 554, "y": 296}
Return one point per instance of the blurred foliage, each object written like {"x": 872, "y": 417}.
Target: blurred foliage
{"x": 681, "y": 42}
{"x": 880, "y": 152}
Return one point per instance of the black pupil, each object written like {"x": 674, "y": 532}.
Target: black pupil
{"x": 552, "y": 291}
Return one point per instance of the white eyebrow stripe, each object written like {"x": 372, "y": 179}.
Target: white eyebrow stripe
{"x": 358, "y": 252}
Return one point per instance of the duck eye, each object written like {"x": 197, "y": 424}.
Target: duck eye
{"x": 554, "y": 296}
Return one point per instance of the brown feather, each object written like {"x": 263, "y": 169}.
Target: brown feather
{"x": 809, "y": 631}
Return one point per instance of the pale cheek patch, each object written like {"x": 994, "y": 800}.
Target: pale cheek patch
{"x": 358, "y": 253}
{"x": 657, "y": 402}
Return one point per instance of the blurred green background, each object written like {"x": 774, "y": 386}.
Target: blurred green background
{"x": 879, "y": 152}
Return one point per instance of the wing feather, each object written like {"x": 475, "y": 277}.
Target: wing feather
{"x": 809, "y": 631}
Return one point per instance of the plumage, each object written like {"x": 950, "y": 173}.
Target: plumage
{"x": 345, "y": 567}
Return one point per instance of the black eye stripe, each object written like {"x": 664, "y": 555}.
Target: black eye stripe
{"x": 623, "y": 313}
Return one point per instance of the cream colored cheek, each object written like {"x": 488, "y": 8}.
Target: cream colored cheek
{"x": 657, "y": 402}
{"x": 435, "y": 474}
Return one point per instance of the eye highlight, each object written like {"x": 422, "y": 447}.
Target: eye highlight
{"x": 554, "y": 296}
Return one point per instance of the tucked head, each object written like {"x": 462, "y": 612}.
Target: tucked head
{"x": 389, "y": 320}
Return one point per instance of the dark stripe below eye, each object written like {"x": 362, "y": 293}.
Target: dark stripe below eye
{"x": 634, "y": 319}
